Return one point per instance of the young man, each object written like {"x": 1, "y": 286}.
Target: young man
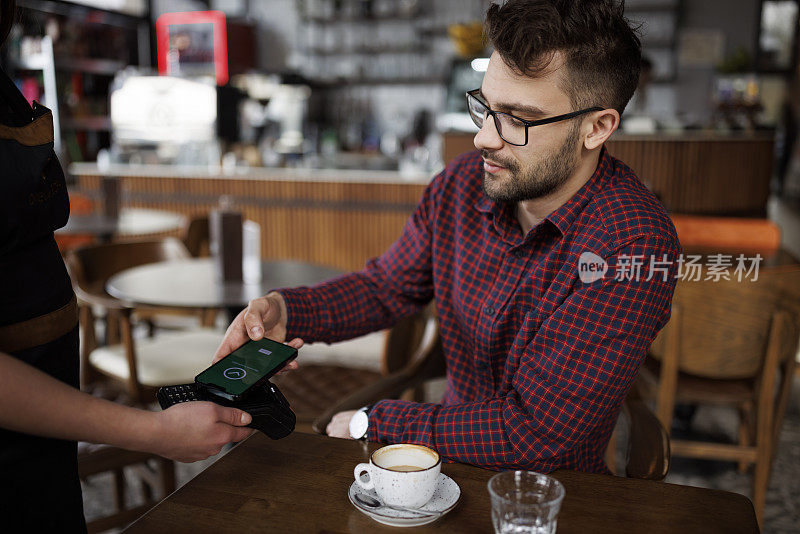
{"x": 537, "y": 248}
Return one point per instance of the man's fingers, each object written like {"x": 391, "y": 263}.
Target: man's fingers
{"x": 254, "y": 318}
{"x": 291, "y": 366}
{"x": 339, "y": 427}
{"x": 234, "y": 338}
{"x": 228, "y": 345}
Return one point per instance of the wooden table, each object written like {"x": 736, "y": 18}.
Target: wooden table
{"x": 300, "y": 483}
{"x": 131, "y": 222}
{"x": 193, "y": 283}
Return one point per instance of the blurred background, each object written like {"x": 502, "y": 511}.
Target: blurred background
{"x": 364, "y": 84}
{"x": 318, "y": 123}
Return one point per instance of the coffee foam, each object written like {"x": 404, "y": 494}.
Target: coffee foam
{"x": 405, "y": 454}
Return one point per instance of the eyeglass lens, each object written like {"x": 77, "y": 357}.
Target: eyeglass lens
{"x": 510, "y": 130}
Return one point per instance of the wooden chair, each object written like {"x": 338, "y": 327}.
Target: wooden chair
{"x": 139, "y": 366}
{"x": 733, "y": 233}
{"x": 647, "y": 447}
{"x": 726, "y": 344}
{"x": 156, "y": 474}
{"x": 315, "y": 387}
{"x": 196, "y": 237}
{"x": 646, "y": 450}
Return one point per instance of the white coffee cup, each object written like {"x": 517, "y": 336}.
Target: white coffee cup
{"x": 402, "y": 474}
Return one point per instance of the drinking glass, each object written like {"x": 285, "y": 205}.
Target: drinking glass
{"x": 524, "y": 502}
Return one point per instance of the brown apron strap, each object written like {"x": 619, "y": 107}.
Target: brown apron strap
{"x": 39, "y": 330}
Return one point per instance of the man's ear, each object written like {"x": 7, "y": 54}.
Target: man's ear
{"x": 603, "y": 124}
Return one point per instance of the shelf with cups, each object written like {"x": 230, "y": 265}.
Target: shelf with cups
{"x": 425, "y": 80}
{"x": 66, "y": 56}
{"x": 411, "y": 48}
{"x": 316, "y": 19}
{"x": 334, "y": 82}
{"x": 48, "y": 65}
{"x": 658, "y": 5}
{"x": 390, "y": 66}
{"x": 333, "y": 11}
{"x": 366, "y": 43}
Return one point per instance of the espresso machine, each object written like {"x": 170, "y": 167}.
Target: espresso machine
{"x": 164, "y": 120}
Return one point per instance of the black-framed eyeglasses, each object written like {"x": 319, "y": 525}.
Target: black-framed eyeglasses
{"x": 511, "y": 129}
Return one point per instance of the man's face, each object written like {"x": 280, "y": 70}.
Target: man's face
{"x": 518, "y": 173}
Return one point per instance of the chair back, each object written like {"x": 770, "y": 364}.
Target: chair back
{"x": 405, "y": 338}
{"x": 424, "y": 361}
{"x": 155, "y": 476}
{"x": 197, "y": 237}
{"x": 733, "y": 233}
{"x": 648, "y": 450}
{"x": 724, "y": 325}
{"x": 91, "y": 266}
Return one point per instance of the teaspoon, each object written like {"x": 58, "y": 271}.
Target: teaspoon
{"x": 368, "y": 500}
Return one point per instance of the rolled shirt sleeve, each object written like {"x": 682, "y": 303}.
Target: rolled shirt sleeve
{"x": 390, "y": 287}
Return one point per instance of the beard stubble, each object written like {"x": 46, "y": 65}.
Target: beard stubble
{"x": 538, "y": 181}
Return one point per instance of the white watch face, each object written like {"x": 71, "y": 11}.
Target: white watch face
{"x": 359, "y": 424}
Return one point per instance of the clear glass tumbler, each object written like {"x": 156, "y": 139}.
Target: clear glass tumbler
{"x": 524, "y": 502}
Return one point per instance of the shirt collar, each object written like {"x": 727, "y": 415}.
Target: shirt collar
{"x": 563, "y": 216}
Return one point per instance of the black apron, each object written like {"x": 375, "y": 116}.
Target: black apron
{"x": 39, "y": 486}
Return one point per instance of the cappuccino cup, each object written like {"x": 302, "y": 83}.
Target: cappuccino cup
{"x": 402, "y": 474}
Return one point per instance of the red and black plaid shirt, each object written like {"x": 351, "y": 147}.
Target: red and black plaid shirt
{"x": 538, "y": 362}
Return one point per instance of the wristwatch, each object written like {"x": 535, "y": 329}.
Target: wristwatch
{"x": 359, "y": 423}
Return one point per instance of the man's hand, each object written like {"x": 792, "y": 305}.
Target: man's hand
{"x": 339, "y": 427}
{"x": 193, "y": 431}
{"x": 264, "y": 316}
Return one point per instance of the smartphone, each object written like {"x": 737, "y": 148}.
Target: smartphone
{"x": 246, "y": 367}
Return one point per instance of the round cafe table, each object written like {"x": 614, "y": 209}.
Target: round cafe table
{"x": 131, "y": 221}
{"x": 193, "y": 283}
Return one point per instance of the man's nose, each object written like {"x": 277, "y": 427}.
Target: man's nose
{"x": 488, "y": 137}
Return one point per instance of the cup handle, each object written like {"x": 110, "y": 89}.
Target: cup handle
{"x": 360, "y": 468}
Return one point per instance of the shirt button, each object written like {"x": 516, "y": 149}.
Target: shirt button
{"x": 488, "y": 310}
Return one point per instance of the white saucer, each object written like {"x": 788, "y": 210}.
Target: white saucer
{"x": 444, "y": 499}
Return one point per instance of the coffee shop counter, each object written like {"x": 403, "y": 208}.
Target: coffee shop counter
{"x": 333, "y": 217}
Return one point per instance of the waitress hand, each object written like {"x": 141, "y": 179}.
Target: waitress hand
{"x": 264, "y": 317}
{"x": 193, "y": 431}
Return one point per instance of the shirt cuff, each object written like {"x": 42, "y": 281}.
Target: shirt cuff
{"x": 399, "y": 421}
{"x": 304, "y": 319}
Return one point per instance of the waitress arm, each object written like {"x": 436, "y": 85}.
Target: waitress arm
{"x": 36, "y": 403}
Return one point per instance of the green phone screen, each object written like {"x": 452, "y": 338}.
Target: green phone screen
{"x": 237, "y": 372}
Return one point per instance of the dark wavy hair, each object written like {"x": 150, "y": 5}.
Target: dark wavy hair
{"x": 602, "y": 52}
{"x": 8, "y": 10}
